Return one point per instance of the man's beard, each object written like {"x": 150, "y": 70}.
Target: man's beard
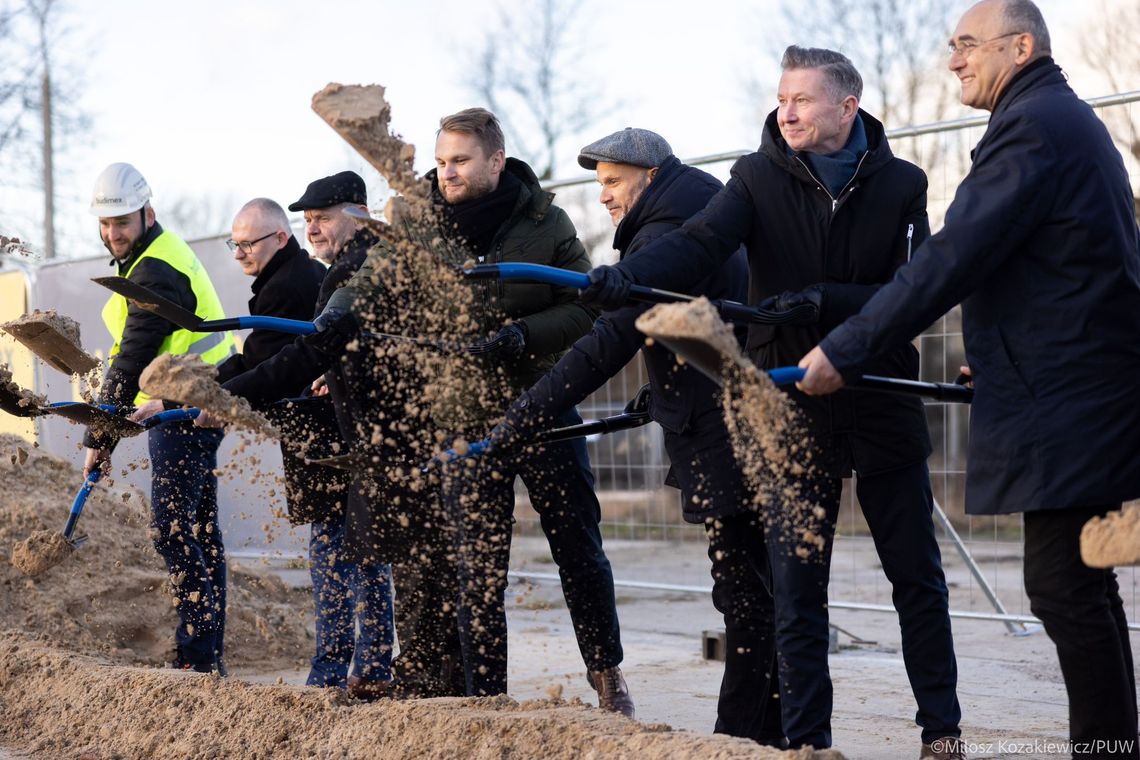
{"x": 470, "y": 189}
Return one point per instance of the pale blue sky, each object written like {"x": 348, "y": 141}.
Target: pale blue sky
{"x": 213, "y": 96}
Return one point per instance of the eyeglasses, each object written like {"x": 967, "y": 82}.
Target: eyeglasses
{"x": 247, "y": 246}
{"x": 965, "y": 47}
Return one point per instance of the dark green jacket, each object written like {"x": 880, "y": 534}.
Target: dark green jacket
{"x": 537, "y": 232}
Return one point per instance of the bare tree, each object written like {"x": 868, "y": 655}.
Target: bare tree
{"x": 1117, "y": 30}
{"x": 527, "y": 71}
{"x": 897, "y": 45}
{"x": 39, "y": 99}
{"x": 194, "y": 217}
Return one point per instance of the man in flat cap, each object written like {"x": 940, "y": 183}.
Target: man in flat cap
{"x": 648, "y": 192}
{"x": 345, "y": 592}
{"x": 828, "y": 214}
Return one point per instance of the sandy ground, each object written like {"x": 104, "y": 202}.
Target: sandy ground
{"x": 77, "y": 647}
{"x": 1012, "y": 697}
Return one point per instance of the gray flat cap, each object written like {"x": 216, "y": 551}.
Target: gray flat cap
{"x": 631, "y": 145}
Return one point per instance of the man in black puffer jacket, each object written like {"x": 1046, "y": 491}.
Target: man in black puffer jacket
{"x": 649, "y": 192}
{"x": 828, "y": 214}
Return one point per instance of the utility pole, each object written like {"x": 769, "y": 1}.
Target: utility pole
{"x": 49, "y": 173}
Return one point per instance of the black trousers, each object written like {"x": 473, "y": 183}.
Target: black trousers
{"x": 1084, "y": 616}
{"x": 897, "y": 506}
{"x": 749, "y": 703}
{"x": 481, "y": 501}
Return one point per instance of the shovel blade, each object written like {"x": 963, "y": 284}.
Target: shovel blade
{"x": 56, "y": 349}
{"x": 17, "y": 405}
{"x": 148, "y": 300}
{"x": 92, "y": 416}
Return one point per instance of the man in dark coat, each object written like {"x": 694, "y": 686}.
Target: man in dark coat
{"x": 497, "y": 207}
{"x": 1041, "y": 249}
{"x": 345, "y": 592}
{"x": 649, "y": 192}
{"x": 827, "y": 214}
{"x": 286, "y": 281}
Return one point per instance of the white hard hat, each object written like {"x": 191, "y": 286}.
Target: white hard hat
{"x": 119, "y": 190}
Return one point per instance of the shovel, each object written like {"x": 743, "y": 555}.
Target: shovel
{"x": 148, "y": 300}
{"x": 731, "y": 311}
{"x": 635, "y": 415}
{"x": 711, "y": 361}
{"x": 41, "y": 334}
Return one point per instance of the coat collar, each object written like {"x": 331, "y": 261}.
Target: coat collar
{"x": 878, "y": 155}
{"x": 286, "y": 253}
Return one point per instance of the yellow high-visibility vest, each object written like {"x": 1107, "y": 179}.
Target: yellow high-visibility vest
{"x": 214, "y": 348}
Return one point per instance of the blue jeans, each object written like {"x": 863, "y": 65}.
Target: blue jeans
{"x": 184, "y": 505}
{"x": 348, "y": 597}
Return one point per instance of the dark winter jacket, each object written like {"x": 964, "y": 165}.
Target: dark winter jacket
{"x": 797, "y": 235}
{"x": 537, "y": 232}
{"x": 314, "y": 493}
{"x": 145, "y": 331}
{"x": 286, "y": 287}
{"x": 278, "y": 377}
{"x": 684, "y": 402}
{"x": 1041, "y": 248}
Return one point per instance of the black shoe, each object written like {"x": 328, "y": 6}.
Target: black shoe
{"x": 220, "y": 667}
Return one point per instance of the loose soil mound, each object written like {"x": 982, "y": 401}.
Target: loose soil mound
{"x": 109, "y": 596}
{"x": 60, "y": 705}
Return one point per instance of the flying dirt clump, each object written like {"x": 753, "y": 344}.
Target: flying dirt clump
{"x": 768, "y": 437}
{"x": 1112, "y": 540}
{"x": 186, "y": 379}
{"x": 54, "y": 338}
{"x": 40, "y": 551}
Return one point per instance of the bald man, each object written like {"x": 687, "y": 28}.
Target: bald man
{"x": 1041, "y": 248}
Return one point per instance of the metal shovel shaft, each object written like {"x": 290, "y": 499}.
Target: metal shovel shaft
{"x": 80, "y": 500}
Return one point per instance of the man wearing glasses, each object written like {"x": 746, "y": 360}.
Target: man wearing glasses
{"x": 1041, "y": 249}
{"x": 286, "y": 281}
{"x": 346, "y": 593}
{"x": 828, "y": 213}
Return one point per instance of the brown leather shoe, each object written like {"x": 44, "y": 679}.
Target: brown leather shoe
{"x": 946, "y": 748}
{"x": 613, "y": 694}
{"x": 367, "y": 690}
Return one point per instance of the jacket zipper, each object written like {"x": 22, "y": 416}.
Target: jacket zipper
{"x": 909, "y": 239}
{"x": 823, "y": 187}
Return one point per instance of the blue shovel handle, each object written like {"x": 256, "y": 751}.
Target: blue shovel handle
{"x": 171, "y": 415}
{"x": 80, "y": 500}
{"x": 786, "y": 375}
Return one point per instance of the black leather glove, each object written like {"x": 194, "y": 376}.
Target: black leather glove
{"x": 807, "y": 303}
{"x": 508, "y": 343}
{"x": 519, "y": 424}
{"x": 608, "y": 288}
{"x": 335, "y": 328}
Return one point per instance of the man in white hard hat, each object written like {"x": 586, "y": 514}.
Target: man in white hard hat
{"x": 183, "y": 458}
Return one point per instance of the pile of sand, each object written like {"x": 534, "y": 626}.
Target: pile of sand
{"x": 110, "y": 595}
{"x": 1112, "y": 540}
{"x": 186, "y": 379}
{"x": 59, "y": 705}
